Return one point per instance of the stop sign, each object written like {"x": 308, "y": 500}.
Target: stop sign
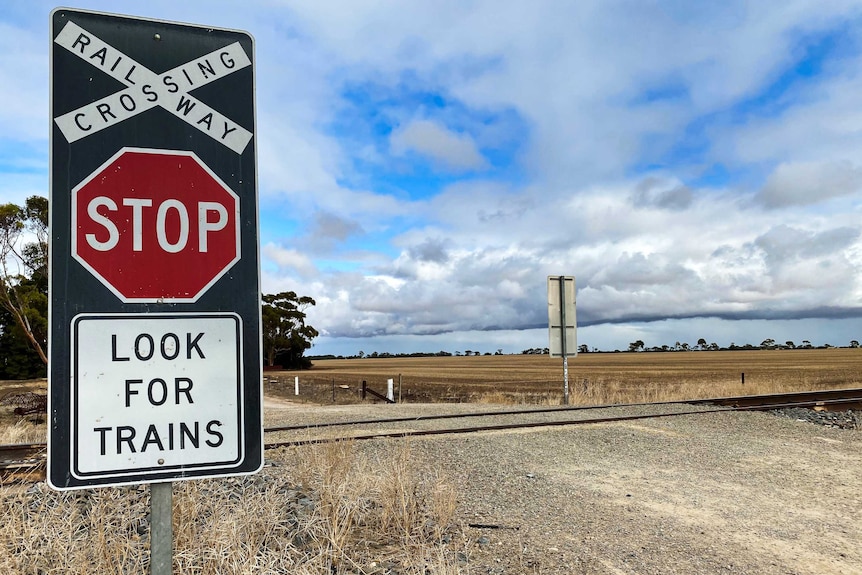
{"x": 155, "y": 225}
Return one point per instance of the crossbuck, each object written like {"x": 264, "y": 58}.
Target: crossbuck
{"x": 146, "y": 89}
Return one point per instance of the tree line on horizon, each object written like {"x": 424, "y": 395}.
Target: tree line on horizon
{"x": 634, "y": 347}
{"x": 639, "y": 346}
{"x": 386, "y": 354}
{"x": 702, "y": 345}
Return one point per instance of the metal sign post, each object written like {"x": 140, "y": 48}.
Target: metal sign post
{"x": 562, "y": 324}
{"x": 563, "y": 342}
{"x": 161, "y": 528}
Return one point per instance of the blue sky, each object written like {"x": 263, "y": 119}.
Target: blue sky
{"x": 424, "y": 166}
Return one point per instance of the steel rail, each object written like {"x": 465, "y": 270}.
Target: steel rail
{"x": 805, "y": 397}
{"x": 798, "y": 396}
{"x": 21, "y": 446}
{"x": 535, "y": 424}
{"x": 14, "y": 465}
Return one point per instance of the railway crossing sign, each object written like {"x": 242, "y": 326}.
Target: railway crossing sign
{"x": 154, "y": 361}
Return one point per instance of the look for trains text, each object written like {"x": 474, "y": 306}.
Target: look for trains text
{"x": 158, "y": 391}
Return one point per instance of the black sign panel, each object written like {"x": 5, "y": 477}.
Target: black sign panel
{"x": 155, "y": 363}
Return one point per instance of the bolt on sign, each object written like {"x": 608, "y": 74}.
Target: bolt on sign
{"x": 155, "y": 362}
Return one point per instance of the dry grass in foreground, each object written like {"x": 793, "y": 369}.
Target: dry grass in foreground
{"x": 594, "y": 378}
{"x": 23, "y": 431}
{"x": 316, "y": 510}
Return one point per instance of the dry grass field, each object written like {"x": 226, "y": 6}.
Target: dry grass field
{"x": 594, "y": 378}
{"x": 313, "y": 511}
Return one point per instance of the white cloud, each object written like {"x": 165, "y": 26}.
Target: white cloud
{"x": 455, "y": 151}
{"x": 289, "y": 260}
{"x": 804, "y": 183}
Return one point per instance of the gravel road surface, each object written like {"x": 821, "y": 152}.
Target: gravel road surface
{"x": 715, "y": 493}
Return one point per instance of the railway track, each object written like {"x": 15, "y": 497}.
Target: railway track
{"x": 552, "y": 417}
{"x": 22, "y": 463}
{"x": 26, "y": 462}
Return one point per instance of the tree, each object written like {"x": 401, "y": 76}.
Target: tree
{"x": 636, "y": 345}
{"x": 285, "y": 333}
{"x": 18, "y": 359}
{"x": 24, "y": 271}
{"x": 701, "y": 343}
{"x": 789, "y": 344}
{"x": 583, "y": 348}
{"x": 854, "y": 343}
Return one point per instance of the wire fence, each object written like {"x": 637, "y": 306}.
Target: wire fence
{"x": 344, "y": 389}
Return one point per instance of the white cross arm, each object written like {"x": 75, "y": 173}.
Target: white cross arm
{"x": 146, "y": 89}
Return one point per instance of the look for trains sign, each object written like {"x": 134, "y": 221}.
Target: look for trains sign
{"x": 155, "y": 363}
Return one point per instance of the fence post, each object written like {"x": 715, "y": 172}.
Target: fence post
{"x": 296, "y": 385}
{"x": 399, "y": 388}
{"x": 390, "y": 390}
{"x": 333, "y": 390}
{"x": 364, "y": 387}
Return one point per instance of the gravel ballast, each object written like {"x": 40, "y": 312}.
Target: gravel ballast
{"x": 741, "y": 492}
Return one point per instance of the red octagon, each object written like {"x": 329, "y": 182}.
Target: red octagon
{"x": 155, "y": 225}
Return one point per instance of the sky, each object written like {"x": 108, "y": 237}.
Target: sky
{"x": 424, "y": 166}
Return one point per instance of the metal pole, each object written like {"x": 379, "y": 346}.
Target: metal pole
{"x": 563, "y": 340}
{"x": 161, "y": 528}
{"x": 399, "y": 388}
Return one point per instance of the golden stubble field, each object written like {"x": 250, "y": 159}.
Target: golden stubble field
{"x": 594, "y": 378}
